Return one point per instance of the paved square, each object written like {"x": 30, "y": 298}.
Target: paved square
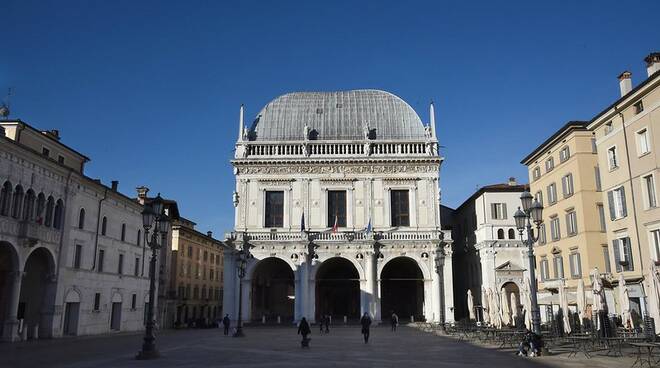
{"x": 280, "y": 347}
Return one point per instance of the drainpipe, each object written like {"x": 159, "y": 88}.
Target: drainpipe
{"x": 632, "y": 195}
{"x": 98, "y": 223}
{"x": 63, "y": 224}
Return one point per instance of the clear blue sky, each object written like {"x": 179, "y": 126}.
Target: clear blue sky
{"x": 120, "y": 78}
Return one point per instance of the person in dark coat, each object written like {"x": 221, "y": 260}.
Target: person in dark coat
{"x": 326, "y": 322}
{"x": 225, "y": 323}
{"x": 365, "y": 321}
{"x": 394, "y": 320}
{"x": 304, "y": 330}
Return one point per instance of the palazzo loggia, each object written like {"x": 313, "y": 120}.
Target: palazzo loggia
{"x": 338, "y": 200}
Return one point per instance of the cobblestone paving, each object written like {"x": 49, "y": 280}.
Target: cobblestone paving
{"x": 280, "y": 347}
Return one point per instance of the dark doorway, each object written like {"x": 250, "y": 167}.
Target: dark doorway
{"x": 37, "y": 294}
{"x": 338, "y": 289}
{"x": 115, "y": 317}
{"x": 273, "y": 290}
{"x": 402, "y": 289}
{"x": 71, "y": 311}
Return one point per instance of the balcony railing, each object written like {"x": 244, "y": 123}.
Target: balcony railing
{"x": 340, "y": 236}
{"x": 29, "y": 233}
{"x": 338, "y": 149}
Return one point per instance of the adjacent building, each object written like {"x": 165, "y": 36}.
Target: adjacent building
{"x": 489, "y": 254}
{"x": 627, "y": 138}
{"x": 337, "y": 198}
{"x": 196, "y": 274}
{"x": 71, "y": 251}
{"x": 564, "y": 176}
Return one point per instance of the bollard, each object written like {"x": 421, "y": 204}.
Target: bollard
{"x": 35, "y": 335}
{"x": 24, "y": 333}
{"x": 412, "y": 319}
{"x": 345, "y": 320}
{"x": 263, "y": 320}
{"x": 279, "y": 320}
{"x": 329, "y": 319}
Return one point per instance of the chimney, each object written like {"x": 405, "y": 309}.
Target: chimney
{"x": 512, "y": 181}
{"x": 625, "y": 82}
{"x": 652, "y": 63}
{"x": 142, "y": 193}
{"x": 115, "y": 185}
{"x": 209, "y": 234}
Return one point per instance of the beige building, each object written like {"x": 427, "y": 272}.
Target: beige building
{"x": 564, "y": 177}
{"x": 196, "y": 273}
{"x": 628, "y": 137}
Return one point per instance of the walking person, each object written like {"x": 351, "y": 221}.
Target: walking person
{"x": 225, "y": 323}
{"x": 365, "y": 321}
{"x": 304, "y": 330}
{"x": 394, "y": 321}
{"x": 326, "y": 321}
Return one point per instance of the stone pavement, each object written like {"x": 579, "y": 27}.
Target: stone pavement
{"x": 280, "y": 347}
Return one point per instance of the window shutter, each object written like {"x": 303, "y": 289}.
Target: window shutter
{"x": 627, "y": 248}
{"x": 617, "y": 256}
{"x": 610, "y": 202}
{"x": 597, "y": 173}
{"x": 504, "y": 211}
{"x": 563, "y": 186}
{"x": 493, "y": 211}
{"x": 623, "y": 201}
{"x": 571, "y": 260}
{"x": 579, "y": 264}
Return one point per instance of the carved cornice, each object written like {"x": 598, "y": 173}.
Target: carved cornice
{"x": 410, "y": 168}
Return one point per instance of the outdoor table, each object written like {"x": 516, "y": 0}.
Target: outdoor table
{"x": 614, "y": 345}
{"x": 508, "y": 338}
{"x": 579, "y": 344}
{"x": 644, "y": 353}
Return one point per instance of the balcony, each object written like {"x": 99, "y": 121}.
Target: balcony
{"x": 340, "y": 236}
{"x": 29, "y": 233}
{"x": 349, "y": 149}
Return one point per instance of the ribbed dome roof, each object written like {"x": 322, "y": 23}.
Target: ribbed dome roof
{"x": 338, "y": 115}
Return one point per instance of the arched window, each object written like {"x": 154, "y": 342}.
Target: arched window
{"x": 28, "y": 205}
{"x": 57, "y": 216}
{"x": 104, "y": 225}
{"x": 5, "y": 199}
{"x": 17, "y": 202}
{"x": 41, "y": 206}
{"x": 81, "y": 219}
{"x": 123, "y": 232}
{"x": 512, "y": 234}
{"x": 50, "y": 207}
{"x": 139, "y": 238}
{"x": 500, "y": 234}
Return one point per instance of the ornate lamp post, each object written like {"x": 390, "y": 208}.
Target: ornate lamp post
{"x": 532, "y": 212}
{"x": 154, "y": 219}
{"x": 241, "y": 266}
{"x": 439, "y": 269}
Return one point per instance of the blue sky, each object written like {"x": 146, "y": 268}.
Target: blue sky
{"x": 150, "y": 90}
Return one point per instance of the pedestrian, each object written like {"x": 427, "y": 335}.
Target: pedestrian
{"x": 326, "y": 321}
{"x": 365, "y": 321}
{"x": 304, "y": 330}
{"x": 530, "y": 345}
{"x": 225, "y": 323}
{"x": 394, "y": 321}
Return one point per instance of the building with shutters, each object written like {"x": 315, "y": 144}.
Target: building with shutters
{"x": 337, "y": 197}
{"x": 487, "y": 248}
{"x": 627, "y": 136}
{"x": 564, "y": 176}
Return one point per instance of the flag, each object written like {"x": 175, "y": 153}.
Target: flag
{"x": 335, "y": 226}
{"x": 302, "y": 222}
{"x": 368, "y": 229}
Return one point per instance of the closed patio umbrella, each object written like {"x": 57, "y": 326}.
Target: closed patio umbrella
{"x": 598, "y": 293}
{"x": 528, "y": 305}
{"x": 485, "y": 306}
{"x": 495, "y": 317}
{"x": 470, "y": 304}
{"x": 506, "y": 312}
{"x": 581, "y": 301}
{"x": 563, "y": 303}
{"x": 514, "y": 308}
{"x": 624, "y": 303}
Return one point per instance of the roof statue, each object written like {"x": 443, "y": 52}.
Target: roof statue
{"x": 340, "y": 115}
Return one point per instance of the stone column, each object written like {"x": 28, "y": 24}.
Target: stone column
{"x": 448, "y": 280}
{"x": 10, "y": 328}
{"x": 299, "y": 309}
{"x": 229, "y": 298}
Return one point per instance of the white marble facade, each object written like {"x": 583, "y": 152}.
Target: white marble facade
{"x": 367, "y": 144}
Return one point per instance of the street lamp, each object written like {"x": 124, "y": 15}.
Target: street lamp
{"x": 241, "y": 266}
{"x": 153, "y": 219}
{"x": 532, "y": 212}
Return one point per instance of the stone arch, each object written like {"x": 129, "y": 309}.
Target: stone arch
{"x": 337, "y": 284}
{"x": 505, "y": 289}
{"x": 9, "y": 272}
{"x": 252, "y": 264}
{"x": 500, "y": 234}
{"x": 37, "y": 296}
{"x": 402, "y": 288}
{"x": 422, "y": 266}
{"x": 353, "y": 260}
{"x": 71, "y": 312}
{"x": 72, "y": 296}
{"x": 272, "y": 281}
{"x": 117, "y": 297}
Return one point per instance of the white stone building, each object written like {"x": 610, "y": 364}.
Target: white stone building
{"x": 488, "y": 249}
{"x": 71, "y": 254}
{"x": 345, "y": 162}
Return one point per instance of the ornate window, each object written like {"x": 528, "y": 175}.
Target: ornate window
{"x": 274, "y": 209}
{"x": 337, "y": 208}
{"x": 400, "y": 208}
